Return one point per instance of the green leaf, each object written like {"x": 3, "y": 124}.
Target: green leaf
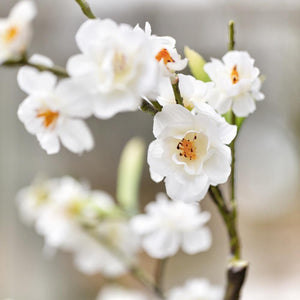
{"x": 129, "y": 175}
{"x": 196, "y": 64}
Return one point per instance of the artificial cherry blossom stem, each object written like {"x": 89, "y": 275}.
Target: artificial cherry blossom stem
{"x": 231, "y": 36}
{"x": 86, "y": 8}
{"x": 159, "y": 272}
{"x": 149, "y": 108}
{"x": 59, "y": 71}
{"x": 178, "y": 97}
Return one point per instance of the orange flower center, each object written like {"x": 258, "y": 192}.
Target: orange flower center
{"x": 164, "y": 55}
{"x": 187, "y": 148}
{"x": 50, "y": 117}
{"x": 11, "y": 33}
{"x": 235, "y": 77}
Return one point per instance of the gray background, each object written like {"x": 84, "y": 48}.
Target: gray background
{"x": 267, "y": 149}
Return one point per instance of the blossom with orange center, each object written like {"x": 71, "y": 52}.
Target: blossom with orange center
{"x": 236, "y": 83}
{"x": 16, "y": 30}
{"x": 190, "y": 150}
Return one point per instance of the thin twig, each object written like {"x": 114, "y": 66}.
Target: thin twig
{"x": 86, "y": 9}
{"x": 159, "y": 272}
{"x": 149, "y": 108}
{"x": 178, "y": 97}
{"x": 59, "y": 71}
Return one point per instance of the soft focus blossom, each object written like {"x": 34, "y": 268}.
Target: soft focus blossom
{"x": 31, "y": 200}
{"x": 54, "y": 112}
{"x": 164, "y": 50}
{"x": 120, "y": 293}
{"x": 237, "y": 84}
{"x": 192, "y": 91}
{"x": 190, "y": 150}
{"x": 116, "y": 65}
{"x": 16, "y": 31}
{"x": 196, "y": 289}
{"x": 168, "y": 226}
{"x": 87, "y": 223}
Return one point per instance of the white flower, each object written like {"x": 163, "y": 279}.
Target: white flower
{"x": 62, "y": 222}
{"x": 237, "y": 84}
{"x": 164, "y": 51}
{"x": 168, "y": 226}
{"x": 192, "y": 91}
{"x": 16, "y": 31}
{"x": 54, "y": 111}
{"x": 103, "y": 256}
{"x": 120, "y": 293}
{"x": 190, "y": 150}
{"x": 116, "y": 65}
{"x": 196, "y": 289}
{"x": 32, "y": 200}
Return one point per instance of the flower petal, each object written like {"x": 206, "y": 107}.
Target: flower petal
{"x": 32, "y": 81}
{"x": 162, "y": 243}
{"x": 174, "y": 119}
{"x": 49, "y": 142}
{"x": 74, "y": 100}
{"x": 23, "y": 11}
{"x": 76, "y": 136}
{"x": 243, "y": 105}
{"x": 196, "y": 241}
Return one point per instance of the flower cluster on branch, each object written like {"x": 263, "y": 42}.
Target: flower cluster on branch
{"x": 197, "y": 117}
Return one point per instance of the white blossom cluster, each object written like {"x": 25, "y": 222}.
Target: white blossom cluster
{"x": 119, "y": 68}
{"x": 76, "y": 219}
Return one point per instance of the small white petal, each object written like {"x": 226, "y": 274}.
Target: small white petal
{"x": 23, "y": 11}
{"x": 41, "y": 59}
{"x": 32, "y": 81}
{"x": 243, "y": 105}
{"x": 173, "y": 116}
{"x": 74, "y": 99}
{"x": 49, "y": 142}
{"x": 76, "y": 136}
{"x": 161, "y": 243}
{"x": 196, "y": 241}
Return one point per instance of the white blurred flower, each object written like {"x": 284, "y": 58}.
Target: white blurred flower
{"x": 196, "y": 289}
{"x": 16, "y": 31}
{"x": 168, "y": 226}
{"x": 164, "y": 51}
{"x": 32, "y": 199}
{"x": 116, "y": 65}
{"x": 120, "y": 293}
{"x": 237, "y": 84}
{"x": 190, "y": 150}
{"x": 115, "y": 237}
{"x": 192, "y": 91}
{"x": 62, "y": 222}
{"x": 54, "y": 111}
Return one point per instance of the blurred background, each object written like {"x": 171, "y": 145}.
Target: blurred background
{"x": 267, "y": 148}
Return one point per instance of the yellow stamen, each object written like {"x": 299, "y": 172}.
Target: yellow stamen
{"x": 49, "y": 116}
{"x": 235, "y": 77}
{"x": 164, "y": 55}
{"x": 187, "y": 148}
